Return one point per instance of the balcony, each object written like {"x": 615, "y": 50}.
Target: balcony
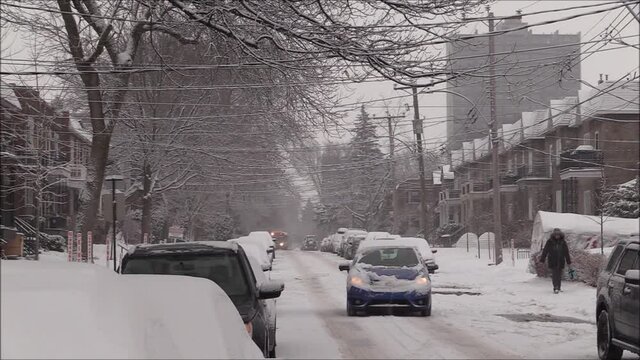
{"x": 453, "y": 194}
{"x": 481, "y": 187}
{"x": 532, "y": 173}
{"x": 582, "y": 162}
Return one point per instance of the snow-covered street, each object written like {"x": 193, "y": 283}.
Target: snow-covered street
{"x": 312, "y": 320}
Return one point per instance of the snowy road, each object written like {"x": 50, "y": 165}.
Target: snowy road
{"x": 312, "y": 320}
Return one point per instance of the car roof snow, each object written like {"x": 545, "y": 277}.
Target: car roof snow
{"x": 199, "y": 247}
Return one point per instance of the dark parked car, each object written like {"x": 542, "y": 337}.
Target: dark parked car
{"x": 310, "y": 243}
{"x": 618, "y": 303}
{"x": 224, "y": 263}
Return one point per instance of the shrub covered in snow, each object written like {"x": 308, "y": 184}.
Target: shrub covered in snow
{"x": 623, "y": 200}
{"x": 586, "y": 264}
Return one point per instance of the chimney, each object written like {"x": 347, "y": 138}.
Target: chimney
{"x": 600, "y": 81}
{"x": 606, "y": 77}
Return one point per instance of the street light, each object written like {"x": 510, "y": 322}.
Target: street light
{"x": 114, "y": 179}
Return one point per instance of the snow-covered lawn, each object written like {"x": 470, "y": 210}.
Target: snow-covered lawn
{"x": 54, "y": 309}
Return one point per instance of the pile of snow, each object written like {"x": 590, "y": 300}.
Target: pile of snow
{"x": 72, "y": 310}
{"x": 581, "y": 231}
{"x": 467, "y": 238}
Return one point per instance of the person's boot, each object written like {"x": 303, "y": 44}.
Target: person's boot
{"x": 555, "y": 291}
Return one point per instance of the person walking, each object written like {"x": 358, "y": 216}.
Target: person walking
{"x": 557, "y": 252}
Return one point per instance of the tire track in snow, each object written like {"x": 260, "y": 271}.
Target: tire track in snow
{"x": 415, "y": 337}
{"x": 351, "y": 337}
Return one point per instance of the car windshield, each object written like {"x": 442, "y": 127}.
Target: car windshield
{"x": 389, "y": 257}
{"x": 224, "y": 269}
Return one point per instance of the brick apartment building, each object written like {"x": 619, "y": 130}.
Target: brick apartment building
{"x": 552, "y": 159}
{"x": 525, "y": 63}
{"x": 44, "y": 144}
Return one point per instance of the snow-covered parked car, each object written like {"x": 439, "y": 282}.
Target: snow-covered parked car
{"x": 372, "y": 235}
{"x": 257, "y": 249}
{"x": 83, "y": 311}
{"x": 266, "y": 238}
{"x": 222, "y": 262}
{"x": 270, "y": 304}
{"x": 425, "y": 251}
{"x": 348, "y": 238}
{"x": 337, "y": 239}
{"x": 388, "y": 276}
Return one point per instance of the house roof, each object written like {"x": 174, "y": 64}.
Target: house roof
{"x": 7, "y": 94}
{"x": 614, "y": 99}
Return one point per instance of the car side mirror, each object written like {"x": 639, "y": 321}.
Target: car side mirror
{"x": 344, "y": 266}
{"x": 270, "y": 289}
{"x": 266, "y": 267}
{"x": 434, "y": 251}
{"x": 632, "y": 277}
{"x": 270, "y": 251}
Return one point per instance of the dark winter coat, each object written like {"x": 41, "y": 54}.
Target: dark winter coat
{"x": 557, "y": 251}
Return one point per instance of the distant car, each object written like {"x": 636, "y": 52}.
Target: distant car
{"x": 347, "y": 237}
{"x": 281, "y": 240}
{"x": 266, "y": 238}
{"x": 310, "y": 243}
{"x": 337, "y": 239}
{"x": 352, "y": 246}
{"x": 388, "y": 276}
{"x": 618, "y": 303}
{"x": 222, "y": 262}
{"x": 325, "y": 245}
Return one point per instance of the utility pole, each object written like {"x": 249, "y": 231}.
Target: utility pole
{"x": 417, "y": 130}
{"x": 495, "y": 166}
{"x": 392, "y": 164}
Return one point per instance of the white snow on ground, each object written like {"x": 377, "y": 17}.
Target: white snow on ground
{"x": 54, "y": 309}
{"x": 462, "y": 326}
{"x": 312, "y": 320}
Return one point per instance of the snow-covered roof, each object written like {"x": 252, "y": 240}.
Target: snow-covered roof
{"x": 563, "y": 111}
{"x": 510, "y": 134}
{"x": 76, "y": 126}
{"x": 437, "y": 179}
{"x": 615, "y": 98}
{"x": 580, "y": 227}
{"x": 447, "y": 173}
{"x": 7, "y": 93}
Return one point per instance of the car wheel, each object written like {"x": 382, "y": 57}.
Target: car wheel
{"x": 350, "y": 310}
{"x": 606, "y": 350}
{"x": 272, "y": 353}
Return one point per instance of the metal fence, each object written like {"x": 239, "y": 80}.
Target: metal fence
{"x": 523, "y": 253}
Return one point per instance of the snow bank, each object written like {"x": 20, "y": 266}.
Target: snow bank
{"x": 73, "y": 310}
{"x": 469, "y": 237}
{"x": 581, "y": 231}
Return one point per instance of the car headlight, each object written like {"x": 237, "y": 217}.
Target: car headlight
{"x": 422, "y": 280}
{"x": 355, "y": 281}
{"x": 281, "y": 244}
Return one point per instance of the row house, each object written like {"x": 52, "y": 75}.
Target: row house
{"x": 406, "y": 207}
{"x": 554, "y": 159}
{"x": 44, "y": 151}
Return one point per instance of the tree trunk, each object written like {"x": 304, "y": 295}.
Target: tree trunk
{"x": 146, "y": 201}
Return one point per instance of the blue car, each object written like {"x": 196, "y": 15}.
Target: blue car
{"x": 388, "y": 276}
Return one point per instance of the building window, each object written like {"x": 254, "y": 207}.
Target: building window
{"x": 586, "y": 139}
{"x": 414, "y": 197}
{"x": 559, "y": 201}
{"x": 586, "y": 203}
{"x": 56, "y": 144}
{"x": 509, "y": 164}
{"x": 509, "y": 212}
{"x": 31, "y": 128}
{"x": 530, "y": 164}
{"x": 596, "y": 138}
{"x": 558, "y": 150}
